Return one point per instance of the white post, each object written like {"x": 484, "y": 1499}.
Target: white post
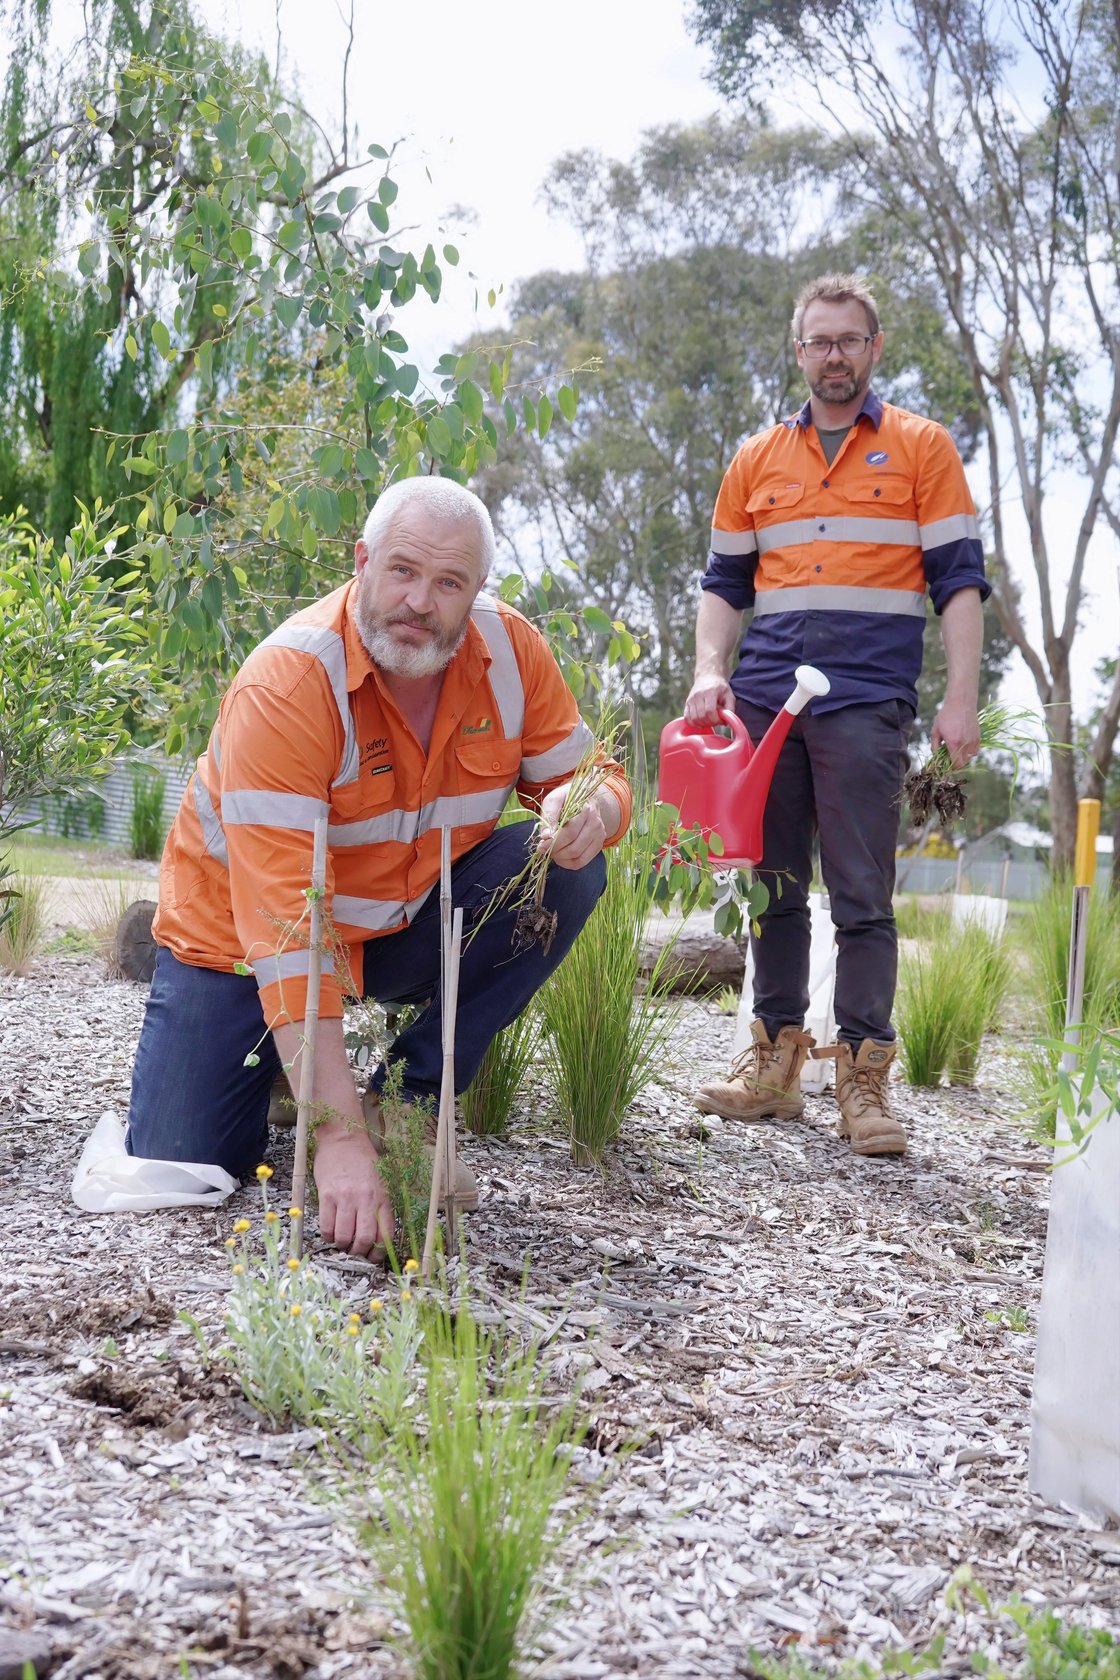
{"x": 310, "y": 1030}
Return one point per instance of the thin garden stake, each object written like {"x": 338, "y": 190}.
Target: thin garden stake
{"x": 310, "y": 1029}
{"x": 443, "y": 1160}
{"x": 1084, "y": 869}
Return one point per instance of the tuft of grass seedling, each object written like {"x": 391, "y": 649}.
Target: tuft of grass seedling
{"x": 936, "y": 788}
{"x": 102, "y": 904}
{"x": 405, "y": 1165}
{"x": 914, "y": 921}
{"x": 604, "y": 1037}
{"x": 488, "y": 1100}
{"x": 23, "y": 931}
{"x": 469, "y": 1498}
{"x": 951, "y": 991}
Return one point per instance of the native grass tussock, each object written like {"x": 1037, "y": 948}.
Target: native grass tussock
{"x": 951, "y": 992}
{"x": 440, "y": 1437}
{"x": 23, "y": 930}
{"x": 604, "y": 1036}
{"x": 489, "y": 1099}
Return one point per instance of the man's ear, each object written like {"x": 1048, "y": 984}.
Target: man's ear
{"x": 361, "y": 555}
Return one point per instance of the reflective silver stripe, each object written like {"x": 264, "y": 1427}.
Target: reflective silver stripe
{"x": 901, "y": 533}
{"x": 215, "y": 748}
{"x": 329, "y": 649}
{"x": 959, "y": 527}
{"x": 734, "y": 542}
{"x": 504, "y": 673}
{"x": 375, "y": 914}
{"x": 212, "y": 831}
{"x": 291, "y": 965}
{"x": 561, "y": 758}
{"x": 272, "y": 810}
{"x": 826, "y": 597}
{"x": 451, "y": 811}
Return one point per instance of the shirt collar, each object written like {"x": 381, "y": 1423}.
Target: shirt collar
{"x": 872, "y": 406}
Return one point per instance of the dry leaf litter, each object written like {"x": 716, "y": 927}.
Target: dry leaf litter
{"x": 803, "y": 1352}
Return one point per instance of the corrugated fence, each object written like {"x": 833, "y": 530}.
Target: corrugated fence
{"x": 105, "y": 816}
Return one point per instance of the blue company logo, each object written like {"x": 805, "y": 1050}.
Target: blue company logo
{"x": 876, "y": 457}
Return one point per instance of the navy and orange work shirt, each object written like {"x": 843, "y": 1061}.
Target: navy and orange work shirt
{"x": 836, "y": 560}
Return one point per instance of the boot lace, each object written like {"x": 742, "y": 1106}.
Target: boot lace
{"x": 867, "y": 1088}
{"x": 751, "y": 1064}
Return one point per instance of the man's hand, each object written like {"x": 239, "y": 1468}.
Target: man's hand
{"x": 574, "y": 843}
{"x": 957, "y": 729}
{"x": 354, "y": 1208}
{"x": 707, "y": 697}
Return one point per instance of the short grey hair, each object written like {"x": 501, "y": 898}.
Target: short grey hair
{"x": 442, "y": 499}
{"x": 836, "y": 288}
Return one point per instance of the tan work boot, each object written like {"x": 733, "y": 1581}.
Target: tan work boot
{"x": 862, "y": 1082}
{"x": 466, "y": 1185}
{"x": 764, "y": 1082}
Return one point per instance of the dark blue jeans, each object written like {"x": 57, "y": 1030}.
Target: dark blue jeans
{"x": 838, "y": 780}
{"x": 193, "y": 1099}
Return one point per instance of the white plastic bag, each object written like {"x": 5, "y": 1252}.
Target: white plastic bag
{"x": 110, "y": 1180}
{"x": 991, "y": 913}
{"x": 1075, "y": 1415}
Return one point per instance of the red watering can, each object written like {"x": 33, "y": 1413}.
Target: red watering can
{"x": 721, "y": 786}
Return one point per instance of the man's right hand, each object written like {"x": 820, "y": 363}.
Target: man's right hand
{"x": 707, "y": 697}
{"x": 354, "y": 1208}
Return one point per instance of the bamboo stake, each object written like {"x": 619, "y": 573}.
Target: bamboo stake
{"x": 310, "y": 1030}
{"x": 1084, "y": 869}
{"x": 1005, "y": 875}
{"x": 443, "y": 1159}
{"x": 449, "y": 994}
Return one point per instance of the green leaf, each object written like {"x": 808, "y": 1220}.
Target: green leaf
{"x": 208, "y": 110}
{"x": 567, "y": 402}
{"x": 367, "y": 464}
{"x": 347, "y": 199}
{"x": 439, "y": 436}
{"x": 323, "y": 506}
{"x": 386, "y": 190}
{"x": 288, "y": 309}
{"x": 378, "y": 215}
{"x": 241, "y": 242}
{"x": 161, "y": 338}
{"x": 131, "y": 348}
{"x": 178, "y": 447}
{"x": 545, "y": 412}
{"x": 450, "y": 255}
{"x": 596, "y": 619}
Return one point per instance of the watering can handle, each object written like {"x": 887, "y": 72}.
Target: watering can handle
{"x": 811, "y": 685}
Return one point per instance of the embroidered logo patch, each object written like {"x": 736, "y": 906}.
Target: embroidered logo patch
{"x": 876, "y": 457}
{"x": 483, "y": 727}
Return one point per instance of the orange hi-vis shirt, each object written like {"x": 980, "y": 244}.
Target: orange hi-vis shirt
{"x": 307, "y": 730}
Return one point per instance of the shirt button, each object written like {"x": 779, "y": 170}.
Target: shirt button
{"x": 497, "y": 764}
{"x": 821, "y": 527}
{"x": 771, "y": 501}
{"x": 824, "y": 483}
{"x": 878, "y": 492}
{"x": 820, "y": 568}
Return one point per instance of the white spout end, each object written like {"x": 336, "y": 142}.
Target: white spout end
{"x": 811, "y": 685}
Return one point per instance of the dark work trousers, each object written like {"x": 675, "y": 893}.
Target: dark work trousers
{"x": 193, "y": 1099}
{"x": 838, "y": 780}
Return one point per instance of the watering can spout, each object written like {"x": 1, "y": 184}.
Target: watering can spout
{"x": 721, "y": 786}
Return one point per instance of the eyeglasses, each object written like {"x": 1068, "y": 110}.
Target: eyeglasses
{"x": 849, "y": 344}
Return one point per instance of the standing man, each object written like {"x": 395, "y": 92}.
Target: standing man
{"x": 402, "y": 703}
{"x": 832, "y": 526}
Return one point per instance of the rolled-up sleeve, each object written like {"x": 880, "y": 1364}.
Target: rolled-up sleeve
{"x": 733, "y": 553}
{"x": 952, "y": 553}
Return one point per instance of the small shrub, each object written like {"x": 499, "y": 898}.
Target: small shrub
{"x": 146, "y": 832}
{"x": 23, "y": 927}
{"x": 468, "y": 1522}
{"x": 604, "y": 1039}
{"x": 488, "y": 1100}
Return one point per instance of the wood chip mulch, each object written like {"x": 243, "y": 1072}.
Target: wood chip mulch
{"x": 809, "y": 1359}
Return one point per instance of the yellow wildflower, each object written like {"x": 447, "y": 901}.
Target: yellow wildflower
{"x": 231, "y": 1242}
{"x": 412, "y": 1265}
{"x": 352, "y": 1330}
{"x": 296, "y": 1309}
{"x": 376, "y": 1306}
{"x": 238, "y": 1269}
{"x": 293, "y": 1264}
{"x": 355, "y": 1318}
{"x": 270, "y": 1217}
{"x": 264, "y": 1172}
{"x": 406, "y": 1294}
{"x": 242, "y": 1225}
{"x": 295, "y": 1213}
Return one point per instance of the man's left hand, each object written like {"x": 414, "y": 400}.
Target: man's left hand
{"x": 957, "y": 729}
{"x": 574, "y": 843}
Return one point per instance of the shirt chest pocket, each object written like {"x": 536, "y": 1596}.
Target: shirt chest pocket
{"x": 365, "y": 807}
{"x": 486, "y": 770}
{"x": 875, "y": 496}
{"x": 778, "y": 513}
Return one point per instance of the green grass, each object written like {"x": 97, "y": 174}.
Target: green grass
{"x": 23, "y": 934}
{"x": 951, "y": 992}
{"x": 604, "y": 1038}
{"x": 488, "y": 1100}
{"x": 41, "y": 854}
{"x": 914, "y": 920}
{"x": 469, "y": 1496}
